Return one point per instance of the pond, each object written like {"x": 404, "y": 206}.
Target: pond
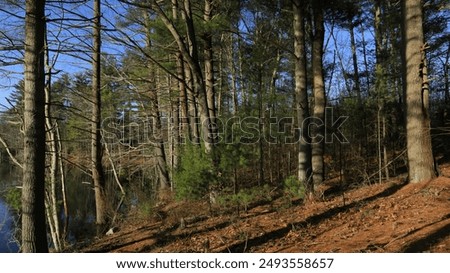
{"x": 7, "y": 226}
{"x": 80, "y": 201}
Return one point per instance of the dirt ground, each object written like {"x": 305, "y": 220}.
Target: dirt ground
{"x": 389, "y": 217}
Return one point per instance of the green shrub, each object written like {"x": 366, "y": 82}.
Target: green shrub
{"x": 263, "y": 193}
{"x": 194, "y": 174}
{"x": 13, "y": 198}
{"x": 294, "y": 188}
{"x": 145, "y": 208}
{"x": 245, "y": 197}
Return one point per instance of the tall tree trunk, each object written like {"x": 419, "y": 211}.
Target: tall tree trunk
{"x": 199, "y": 82}
{"x": 160, "y": 155}
{"x": 341, "y": 65}
{"x": 385, "y": 149}
{"x": 233, "y": 75}
{"x": 446, "y": 69}
{"x": 52, "y": 144}
{"x": 174, "y": 131}
{"x": 98, "y": 175}
{"x": 242, "y": 83}
{"x": 381, "y": 88}
{"x": 180, "y": 118}
{"x": 420, "y": 156}
{"x": 192, "y": 108}
{"x": 192, "y": 59}
{"x": 360, "y": 131}
{"x": 34, "y": 232}
{"x": 63, "y": 183}
{"x": 301, "y": 93}
{"x": 318, "y": 130}
{"x": 221, "y": 82}
{"x": 185, "y": 122}
{"x": 357, "y": 82}
{"x": 365, "y": 57}
{"x": 209, "y": 67}
{"x": 189, "y": 88}
{"x": 261, "y": 118}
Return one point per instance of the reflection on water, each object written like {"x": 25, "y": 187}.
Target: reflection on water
{"x": 7, "y": 243}
{"x": 8, "y": 176}
{"x": 81, "y": 204}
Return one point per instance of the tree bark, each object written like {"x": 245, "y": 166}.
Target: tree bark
{"x": 63, "y": 184}
{"x": 34, "y": 232}
{"x": 318, "y": 130}
{"x": 357, "y": 82}
{"x": 301, "y": 93}
{"x": 98, "y": 175}
{"x": 209, "y": 67}
{"x": 446, "y": 68}
{"x": 159, "y": 147}
{"x": 52, "y": 144}
{"x": 381, "y": 89}
{"x": 420, "y": 156}
{"x": 192, "y": 59}
{"x": 233, "y": 74}
{"x": 185, "y": 128}
{"x": 199, "y": 83}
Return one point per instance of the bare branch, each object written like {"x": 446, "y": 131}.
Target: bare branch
{"x": 13, "y": 158}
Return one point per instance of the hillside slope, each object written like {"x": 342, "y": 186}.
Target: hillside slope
{"x": 388, "y": 217}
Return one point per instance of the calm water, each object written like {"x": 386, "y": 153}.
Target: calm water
{"x": 81, "y": 209}
{"x": 7, "y": 243}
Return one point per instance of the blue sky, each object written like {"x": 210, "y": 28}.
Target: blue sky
{"x": 75, "y": 40}
{"x": 79, "y": 37}
{"x": 9, "y": 76}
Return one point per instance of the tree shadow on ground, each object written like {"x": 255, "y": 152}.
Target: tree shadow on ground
{"x": 424, "y": 243}
{"x": 312, "y": 220}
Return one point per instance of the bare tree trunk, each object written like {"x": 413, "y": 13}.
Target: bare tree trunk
{"x": 366, "y": 61}
{"x": 221, "y": 82}
{"x": 318, "y": 131}
{"x": 185, "y": 128}
{"x": 179, "y": 115}
{"x": 301, "y": 93}
{"x": 209, "y": 67}
{"x": 51, "y": 204}
{"x": 98, "y": 175}
{"x": 380, "y": 83}
{"x": 261, "y": 118}
{"x": 385, "y": 150}
{"x": 34, "y": 232}
{"x": 379, "y": 150}
{"x": 381, "y": 87}
{"x": 174, "y": 129}
{"x": 159, "y": 149}
{"x": 361, "y": 134}
{"x": 446, "y": 76}
{"x": 63, "y": 184}
{"x": 191, "y": 100}
{"x": 357, "y": 87}
{"x": 242, "y": 82}
{"x": 199, "y": 83}
{"x": 233, "y": 75}
{"x": 160, "y": 154}
{"x": 420, "y": 156}
{"x": 114, "y": 170}
{"x": 192, "y": 59}
{"x": 192, "y": 109}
